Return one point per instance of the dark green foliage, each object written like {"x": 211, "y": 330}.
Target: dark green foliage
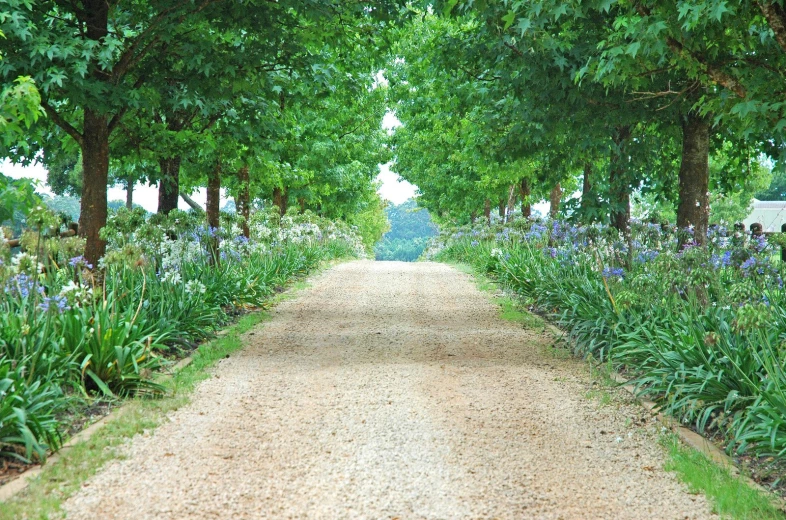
{"x": 410, "y": 230}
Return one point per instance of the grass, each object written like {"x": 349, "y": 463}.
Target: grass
{"x": 43, "y": 497}
{"x": 730, "y": 495}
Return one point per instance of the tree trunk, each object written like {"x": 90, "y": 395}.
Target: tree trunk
{"x": 694, "y": 209}
{"x": 95, "y": 171}
{"x": 212, "y": 210}
{"x": 554, "y": 199}
{"x": 619, "y": 185}
{"x": 511, "y": 201}
{"x": 487, "y": 211}
{"x": 586, "y": 187}
{"x": 95, "y": 143}
{"x": 129, "y": 193}
{"x": 188, "y": 200}
{"x": 244, "y": 200}
{"x": 502, "y": 205}
{"x": 524, "y": 192}
{"x": 169, "y": 186}
{"x": 280, "y": 200}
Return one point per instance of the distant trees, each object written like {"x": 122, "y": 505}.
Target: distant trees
{"x": 410, "y": 230}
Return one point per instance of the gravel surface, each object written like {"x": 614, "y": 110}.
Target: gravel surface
{"x": 393, "y": 390}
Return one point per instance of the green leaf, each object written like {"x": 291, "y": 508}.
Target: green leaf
{"x": 508, "y": 19}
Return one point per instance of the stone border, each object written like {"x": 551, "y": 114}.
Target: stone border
{"x": 21, "y": 481}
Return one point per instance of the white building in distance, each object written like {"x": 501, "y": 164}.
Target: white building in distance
{"x": 771, "y": 214}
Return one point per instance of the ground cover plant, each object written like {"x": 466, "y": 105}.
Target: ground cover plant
{"x": 71, "y": 333}
{"x": 700, "y": 330}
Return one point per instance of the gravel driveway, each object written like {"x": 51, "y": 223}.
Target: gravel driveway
{"x": 393, "y": 390}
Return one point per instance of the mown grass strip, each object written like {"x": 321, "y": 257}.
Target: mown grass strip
{"x": 43, "y": 497}
{"x": 731, "y": 496}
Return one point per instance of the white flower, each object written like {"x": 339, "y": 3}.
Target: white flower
{"x": 195, "y": 287}
{"x": 172, "y": 277}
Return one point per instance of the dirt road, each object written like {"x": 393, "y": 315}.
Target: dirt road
{"x": 393, "y": 390}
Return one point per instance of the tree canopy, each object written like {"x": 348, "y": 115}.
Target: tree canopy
{"x": 678, "y": 104}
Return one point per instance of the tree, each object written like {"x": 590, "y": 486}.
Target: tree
{"x": 96, "y": 62}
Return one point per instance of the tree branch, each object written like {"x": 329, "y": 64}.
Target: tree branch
{"x": 130, "y": 57}
{"x": 776, "y": 18}
{"x": 196, "y": 207}
{"x": 120, "y": 113}
{"x": 352, "y": 131}
{"x": 62, "y": 123}
{"x": 514, "y": 49}
{"x": 716, "y": 75}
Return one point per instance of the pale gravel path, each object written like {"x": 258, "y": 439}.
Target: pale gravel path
{"x": 392, "y": 390}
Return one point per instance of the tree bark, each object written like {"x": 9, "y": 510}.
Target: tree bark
{"x": 693, "y": 209}
{"x": 95, "y": 171}
{"x": 524, "y": 192}
{"x": 776, "y": 18}
{"x": 169, "y": 185}
{"x": 487, "y": 211}
{"x": 619, "y": 186}
{"x": 188, "y": 200}
{"x": 511, "y": 202}
{"x": 554, "y": 200}
{"x": 244, "y": 200}
{"x": 501, "y": 208}
{"x": 586, "y": 187}
{"x": 129, "y": 193}
{"x": 95, "y": 145}
{"x": 280, "y": 200}
{"x": 212, "y": 210}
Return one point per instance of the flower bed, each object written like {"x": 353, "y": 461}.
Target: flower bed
{"x": 69, "y": 333}
{"x": 701, "y": 330}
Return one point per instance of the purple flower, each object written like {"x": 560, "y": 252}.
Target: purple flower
{"x": 613, "y": 272}
{"x": 747, "y": 264}
{"x": 79, "y": 260}
{"x": 646, "y": 256}
{"x": 22, "y": 285}
{"x": 759, "y": 243}
{"x": 60, "y": 303}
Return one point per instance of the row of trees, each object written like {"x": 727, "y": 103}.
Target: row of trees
{"x": 669, "y": 101}
{"x": 272, "y": 100}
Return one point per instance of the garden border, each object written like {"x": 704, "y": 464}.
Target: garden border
{"x": 687, "y": 436}
{"x": 20, "y": 482}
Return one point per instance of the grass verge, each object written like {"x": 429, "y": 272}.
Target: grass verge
{"x": 731, "y": 496}
{"x": 43, "y": 497}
